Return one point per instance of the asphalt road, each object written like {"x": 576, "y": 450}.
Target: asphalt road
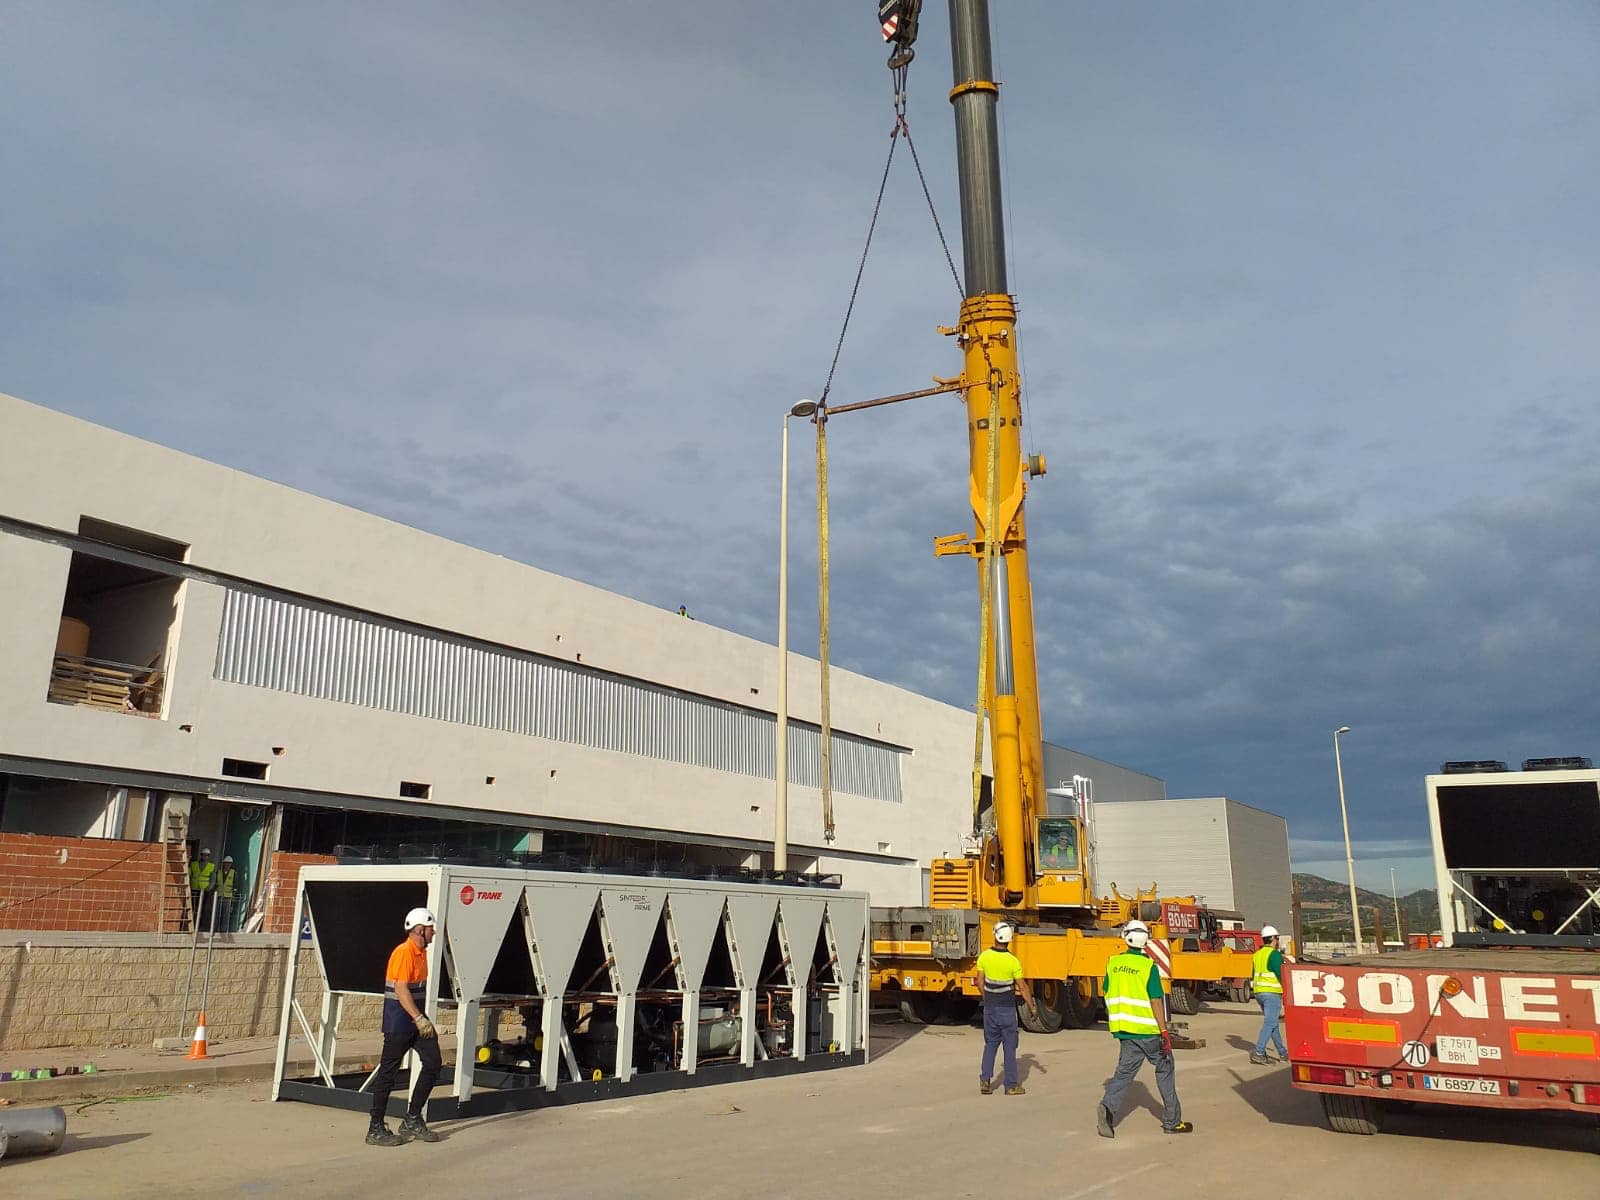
{"x": 910, "y": 1124}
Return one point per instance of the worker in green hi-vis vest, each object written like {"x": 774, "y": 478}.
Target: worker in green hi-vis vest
{"x": 1266, "y": 980}
{"x": 1136, "y": 1010}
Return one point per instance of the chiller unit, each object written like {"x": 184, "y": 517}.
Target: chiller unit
{"x": 623, "y": 983}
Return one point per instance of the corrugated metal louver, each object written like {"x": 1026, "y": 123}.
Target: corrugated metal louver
{"x": 271, "y": 642}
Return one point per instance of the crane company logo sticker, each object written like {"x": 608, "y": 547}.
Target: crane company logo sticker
{"x": 470, "y": 893}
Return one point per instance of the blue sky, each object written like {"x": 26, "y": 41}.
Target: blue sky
{"x": 1308, "y": 296}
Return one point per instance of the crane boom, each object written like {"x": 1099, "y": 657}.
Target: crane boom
{"x": 1034, "y": 870}
{"x": 986, "y": 333}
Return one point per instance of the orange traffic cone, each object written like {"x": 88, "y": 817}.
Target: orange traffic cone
{"x": 198, "y": 1048}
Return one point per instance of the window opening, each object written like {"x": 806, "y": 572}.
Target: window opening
{"x": 118, "y": 626}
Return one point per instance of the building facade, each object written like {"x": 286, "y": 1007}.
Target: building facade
{"x": 195, "y": 656}
{"x": 1233, "y": 857}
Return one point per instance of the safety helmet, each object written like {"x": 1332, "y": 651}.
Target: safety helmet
{"x": 1136, "y": 934}
{"x": 1269, "y": 931}
{"x": 418, "y": 916}
{"x": 1003, "y": 933}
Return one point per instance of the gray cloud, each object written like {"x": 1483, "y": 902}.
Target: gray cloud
{"x": 1307, "y": 309}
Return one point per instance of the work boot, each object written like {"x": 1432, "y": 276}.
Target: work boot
{"x": 380, "y": 1135}
{"x": 1260, "y": 1060}
{"x": 1103, "y": 1117}
{"x": 1016, "y": 1089}
{"x": 985, "y": 1086}
{"x": 416, "y": 1129}
{"x": 1180, "y": 1127}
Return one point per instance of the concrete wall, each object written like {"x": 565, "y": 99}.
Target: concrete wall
{"x": 130, "y": 991}
{"x": 263, "y": 532}
{"x": 1233, "y": 856}
{"x": 1258, "y": 843}
{"x": 1180, "y": 845}
{"x": 1113, "y": 784}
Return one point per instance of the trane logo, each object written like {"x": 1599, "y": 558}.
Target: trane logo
{"x": 470, "y": 893}
{"x": 1389, "y": 993}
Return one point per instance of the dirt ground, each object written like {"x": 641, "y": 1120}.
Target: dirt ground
{"x": 910, "y": 1124}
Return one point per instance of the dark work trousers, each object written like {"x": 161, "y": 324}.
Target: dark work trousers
{"x": 1134, "y": 1054}
{"x": 395, "y": 1046}
{"x": 1000, "y": 1029}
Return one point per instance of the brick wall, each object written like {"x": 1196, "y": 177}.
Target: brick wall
{"x": 283, "y": 881}
{"x": 95, "y": 884}
{"x": 129, "y": 995}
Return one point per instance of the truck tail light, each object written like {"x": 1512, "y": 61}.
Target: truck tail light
{"x": 1334, "y": 1075}
{"x": 1585, "y": 1093}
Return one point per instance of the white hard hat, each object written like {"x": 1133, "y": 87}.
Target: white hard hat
{"x": 418, "y": 916}
{"x": 1003, "y": 933}
{"x": 1269, "y": 931}
{"x": 1136, "y": 934}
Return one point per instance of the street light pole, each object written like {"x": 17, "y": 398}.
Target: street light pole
{"x": 1349, "y": 859}
{"x": 1394, "y": 894}
{"x": 780, "y": 771}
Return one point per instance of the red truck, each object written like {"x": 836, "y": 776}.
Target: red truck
{"x": 1507, "y": 1013}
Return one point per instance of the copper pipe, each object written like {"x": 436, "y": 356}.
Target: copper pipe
{"x": 662, "y": 972}
{"x": 605, "y": 966}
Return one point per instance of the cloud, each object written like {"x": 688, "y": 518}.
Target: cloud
{"x": 1306, "y": 334}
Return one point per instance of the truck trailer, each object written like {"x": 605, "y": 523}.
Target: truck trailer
{"x": 1506, "y": 1013}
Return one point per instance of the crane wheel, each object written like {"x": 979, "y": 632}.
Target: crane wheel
{"x": 1063, "y": 1004}
{"x": 1184, "y": 998}
{"x": 921, "y": 1008}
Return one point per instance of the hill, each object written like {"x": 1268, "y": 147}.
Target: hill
{"x": 1325, "y": 910}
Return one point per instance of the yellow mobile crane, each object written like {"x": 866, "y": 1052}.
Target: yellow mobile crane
{"x": 927, "y": 956}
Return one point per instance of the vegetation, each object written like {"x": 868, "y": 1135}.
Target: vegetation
{"x": 1325, "y": 910}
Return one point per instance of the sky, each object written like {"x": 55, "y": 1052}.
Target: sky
{"x": 1309, "y": 298}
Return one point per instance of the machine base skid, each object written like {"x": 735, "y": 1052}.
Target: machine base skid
{"x": 514, "y": 1096}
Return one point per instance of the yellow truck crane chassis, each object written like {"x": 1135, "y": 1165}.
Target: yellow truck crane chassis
{"x": 926, "y": 958}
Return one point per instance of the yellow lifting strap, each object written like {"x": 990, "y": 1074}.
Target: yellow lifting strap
{"x": 822, "y": 621}
{"x": 991, "y": 547}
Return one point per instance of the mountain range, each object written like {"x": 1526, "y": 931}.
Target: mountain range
{"x": 1325, "y": 910}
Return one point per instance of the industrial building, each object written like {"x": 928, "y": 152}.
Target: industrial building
{"x": 208, "y": 658}
{"x": 1232, "y": 857}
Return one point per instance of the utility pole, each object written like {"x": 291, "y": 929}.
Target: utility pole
{"x": 1394, "y": 894}
{"x": 1349, "y": 859}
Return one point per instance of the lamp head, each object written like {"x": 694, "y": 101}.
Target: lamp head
{"x": 1341, "y": 729}
{"x": 806, "y": 408}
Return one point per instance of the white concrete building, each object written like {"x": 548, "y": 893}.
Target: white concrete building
{"x": 191, "y": 653}
{"x": 1232, "y": 856}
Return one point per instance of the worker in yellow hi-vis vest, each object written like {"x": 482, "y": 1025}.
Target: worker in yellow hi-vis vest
{"x": 202, "y": 884}
{"x": 1001, "y": 972}
{"x": 1266, "y": 979}
{"x": 1136, "y": 1010}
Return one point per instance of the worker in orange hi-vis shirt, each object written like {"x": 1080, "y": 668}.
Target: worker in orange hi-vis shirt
{"x": 406, "y": 1027}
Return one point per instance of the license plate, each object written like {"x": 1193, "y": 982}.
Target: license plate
{"x": 1451, "y": 1083}
{"x": 1457, "y": 1051}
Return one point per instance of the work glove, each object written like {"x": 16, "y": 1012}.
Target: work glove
{"x": 1166, "y": 1043}
{"x": 425, "y": 1028}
